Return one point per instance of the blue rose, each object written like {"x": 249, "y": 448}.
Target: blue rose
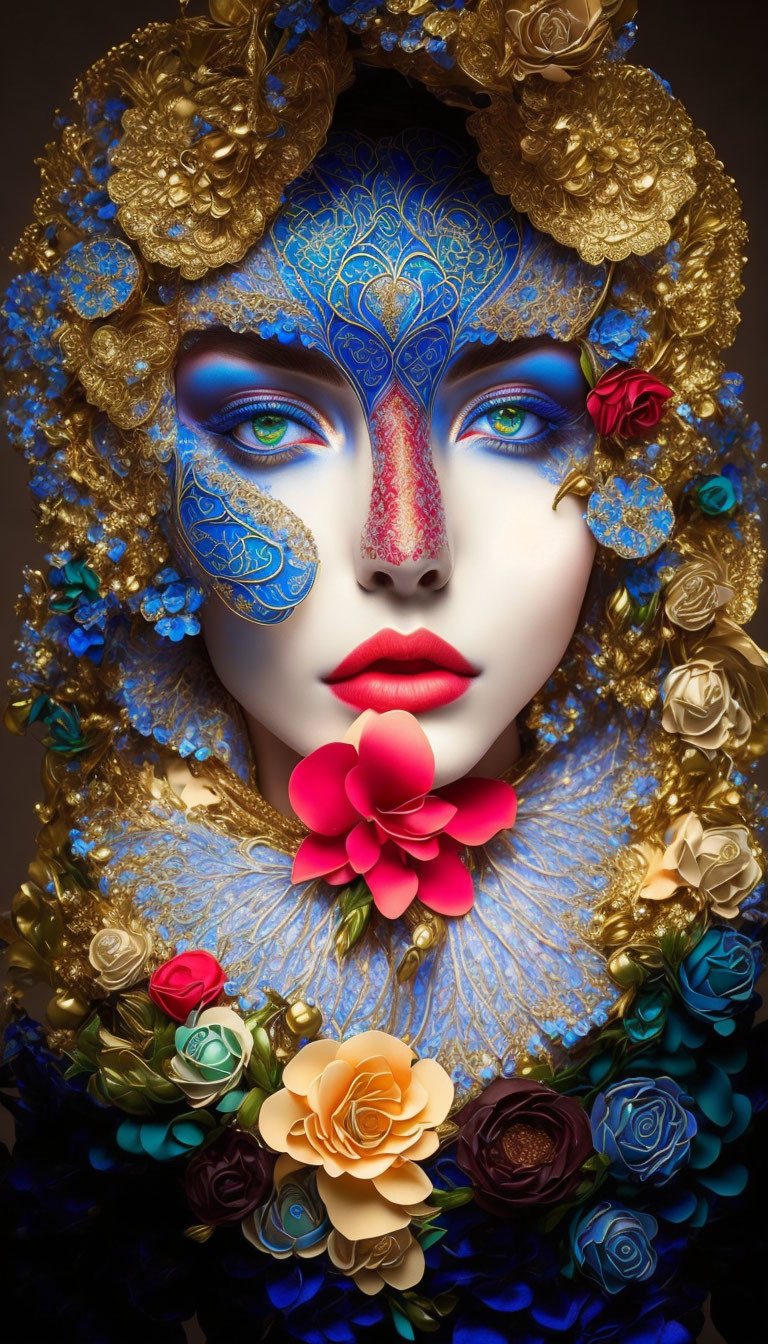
{"x": 614, "y": 1246}
{"x": 643, "y": 1126}
{"x": 717, "y": 978}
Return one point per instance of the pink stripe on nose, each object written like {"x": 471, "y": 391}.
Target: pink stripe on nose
{"x": 405, "y": 516}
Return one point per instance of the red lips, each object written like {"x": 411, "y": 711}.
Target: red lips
{"x": 414, "y": 672}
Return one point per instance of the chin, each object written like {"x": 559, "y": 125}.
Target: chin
{"x": 460, "y": 742}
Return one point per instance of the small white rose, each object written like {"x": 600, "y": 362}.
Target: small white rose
{"x": 119, "y": 955}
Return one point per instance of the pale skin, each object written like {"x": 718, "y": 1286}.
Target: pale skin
{"x": 506, "y": 588}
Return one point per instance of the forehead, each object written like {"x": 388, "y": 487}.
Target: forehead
{"x": 390, "y": 257}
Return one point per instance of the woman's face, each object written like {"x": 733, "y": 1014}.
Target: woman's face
{"x": 372, "y": 513}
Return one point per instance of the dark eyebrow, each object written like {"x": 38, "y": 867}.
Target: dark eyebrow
{"x": 478, "y": 355}
{"x": 293, "y": 356}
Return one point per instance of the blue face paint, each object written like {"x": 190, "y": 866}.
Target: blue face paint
{"x": 259, "y": 557}
{"x": 388, "y": 258}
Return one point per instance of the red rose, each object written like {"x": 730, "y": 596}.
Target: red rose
{"x": 626, "y": 402}
{"x": 187, "y": 981}
{"x": 522, "y": 1144}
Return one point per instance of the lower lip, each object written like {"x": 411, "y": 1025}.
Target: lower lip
{"x": 415, "y": 691}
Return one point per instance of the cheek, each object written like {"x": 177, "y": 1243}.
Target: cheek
{"x": 523, "y": 569}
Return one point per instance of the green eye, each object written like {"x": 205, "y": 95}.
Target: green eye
{"x": 269, "y": 428}
{"x": 506, "y": 420}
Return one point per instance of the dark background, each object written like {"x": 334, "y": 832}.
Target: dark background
{"x": 710, "y": 51}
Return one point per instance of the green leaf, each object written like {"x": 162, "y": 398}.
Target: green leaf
{"x": 264, "y": 1068}
{"x": 401, "y": 1323}
{"x": 430, "y": 1236}
{"x": 355, "y": 904}
{"x": 587, "y": 367}
{"x": 85, "y": 1054}
{"x": 248, "y": 1112}
{"x": 452, "y": 1199}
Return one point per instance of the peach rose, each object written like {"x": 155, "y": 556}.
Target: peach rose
{"x": 674, "y": 866}
{"x": 395, "y": 1259}
{"x": 365, "y": 1113}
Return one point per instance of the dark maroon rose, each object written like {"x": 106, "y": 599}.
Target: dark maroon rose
{"x": 521, "y": 1143}
{"x": 228, "y": 1179}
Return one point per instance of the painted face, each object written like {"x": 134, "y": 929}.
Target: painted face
{"x": 374, "y": 411}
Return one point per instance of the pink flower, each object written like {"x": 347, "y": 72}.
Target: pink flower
{"x": 370, "y": 811}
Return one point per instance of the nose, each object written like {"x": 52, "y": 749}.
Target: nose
{"x": 404, "y": 544}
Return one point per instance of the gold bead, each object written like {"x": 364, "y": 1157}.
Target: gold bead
{"x": 423, "y": 937}
{"x": 303, "y": 1019}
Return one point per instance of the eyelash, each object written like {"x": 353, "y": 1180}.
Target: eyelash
{"x": 522, "y": 399}
{"x": 247, "y": 409}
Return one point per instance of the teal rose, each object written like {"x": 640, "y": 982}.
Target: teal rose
{"x": 645, "y": 1021}
{"x": 211, "y": 1055}
{"x": 715, "y": 496}
{"x": 718, "y": 977}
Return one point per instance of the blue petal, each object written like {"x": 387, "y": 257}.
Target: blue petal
{"x": 506, "y": 1296}
{"x": 478, "y": 1334}
{"x": 730, "y": 1182}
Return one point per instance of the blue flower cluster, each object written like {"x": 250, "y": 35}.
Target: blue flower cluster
{"x": 170, "y": 604}
{"x": 359, "y": 14}
{"x": 617, "y": 336}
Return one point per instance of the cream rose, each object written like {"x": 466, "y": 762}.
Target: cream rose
{"x": 553, "y": 37}
{"x": 728, "y": 870}
{"x": 119, "y": 955}
{"x": 697, "y": 590}
{"x": 365, "y": 1111}
{"x": 698, "y": 705}
{"x": 395, "y": 1259}
{"x": 717, "y": 861}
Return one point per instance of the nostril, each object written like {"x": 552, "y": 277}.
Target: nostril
{"x": 382, "y": 579}
{"x": 430, "y": 579}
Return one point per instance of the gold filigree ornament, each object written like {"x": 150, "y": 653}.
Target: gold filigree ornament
{"x": 602, "y": 163}
{"x": 123, "y": 367}
{"x": 221, "y": 122}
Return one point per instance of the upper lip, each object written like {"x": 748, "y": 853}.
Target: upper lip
{"x": 420, "y": 646}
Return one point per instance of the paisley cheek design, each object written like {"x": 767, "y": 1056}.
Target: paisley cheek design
{"x": 260, "y": 557}
{"x": 405, "y": 519}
